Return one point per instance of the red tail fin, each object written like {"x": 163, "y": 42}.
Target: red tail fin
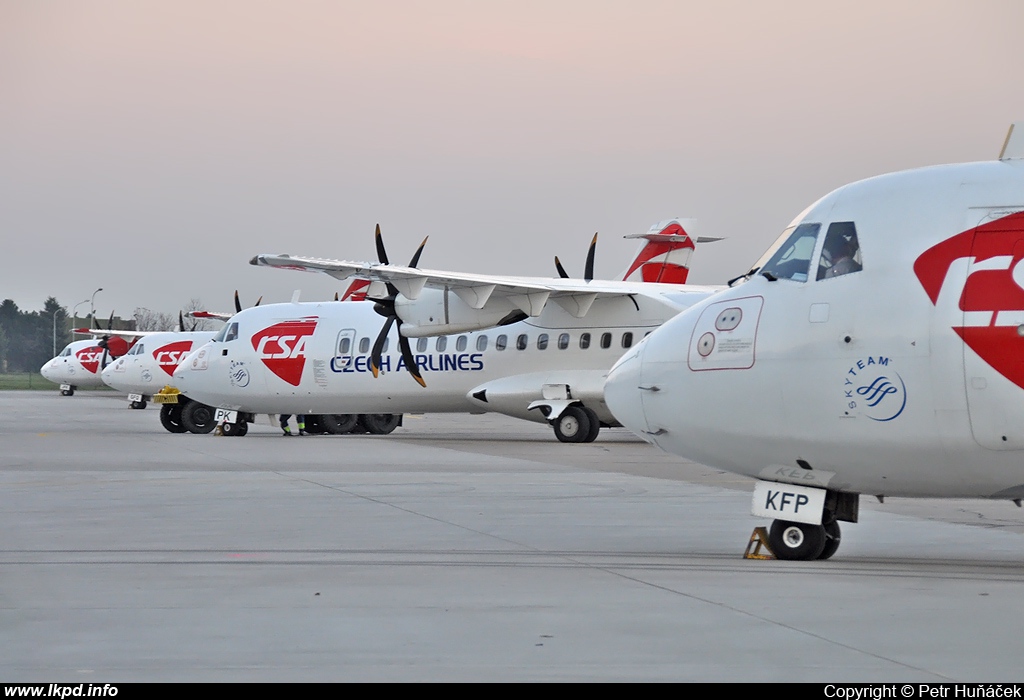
{"x": 664, "y": 255}
{"x": 356, "y": 291}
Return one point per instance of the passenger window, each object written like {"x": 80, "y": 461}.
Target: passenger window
{"x": 522, "y": 341}
{"x": 627, "y": 339}
{"x": 481, "y": 343}
{"x": 501, "y": 342}
{"x": 461, "y": 343}
{"x": 792, "y": 259}
{"x": 563, "y": 341}
{"x": 442, "y": 343}
{"x": 345, "y": 345}
{"x": 542, "y": 341}
{"x": 840, "y": 255}
{"x": 384, "y": 347}
{"x": 421, "y": 345}
{"x": 606, "y": 341}
{"x": 584, "y": 341}
{"x": 364, "y": 345}
{"x": 232, "y": 333}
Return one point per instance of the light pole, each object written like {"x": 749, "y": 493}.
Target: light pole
{"x": 55, "y": 332}
{"x": 74, "y": 313}
{"x": 92, "y": 303}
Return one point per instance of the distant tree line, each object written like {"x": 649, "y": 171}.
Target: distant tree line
{"x": 28, "y": 340}
{"x": 27, "y": 337}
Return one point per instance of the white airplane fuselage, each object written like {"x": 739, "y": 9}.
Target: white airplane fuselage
{"x": 313, "y": 358}
{"x": 77, "y": 365}
{"x": 905, "y": 378}
{"x": 150, "y": 364}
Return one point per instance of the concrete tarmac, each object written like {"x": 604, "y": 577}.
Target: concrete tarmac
{"x": 460, "y": 548}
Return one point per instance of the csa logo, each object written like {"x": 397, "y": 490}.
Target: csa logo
{"x": 976, "y": 282}
{"x": 90, "y": 358}
{"x": 873, "y": 389}
{"x": 171, "y": 355}
{"x": 282, "y": 347}
{"x": 238, "y": 374}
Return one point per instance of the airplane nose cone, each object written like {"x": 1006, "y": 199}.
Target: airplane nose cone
{"x": 622, "y": 394}
{"x": 47, "y": 370}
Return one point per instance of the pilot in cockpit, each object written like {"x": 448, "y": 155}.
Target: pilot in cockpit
{"x": 840, "y": 254}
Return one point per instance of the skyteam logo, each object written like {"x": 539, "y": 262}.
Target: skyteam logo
{"x": 874, "y": 389}
{"x": 282, "y": 347}
{"x": 238, "y": 374}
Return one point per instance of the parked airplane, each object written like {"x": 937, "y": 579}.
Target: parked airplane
{"x": 547, "y": 346}
{"x": 80, "y": 362}
{"x": 874, "y": 349}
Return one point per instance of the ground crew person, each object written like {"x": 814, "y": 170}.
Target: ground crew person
{"x": 300, "y": 419}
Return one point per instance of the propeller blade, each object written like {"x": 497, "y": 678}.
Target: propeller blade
{"x": 378, "y": 346}
{"x": 238, "y": 304}
{"x": 181, "y": 322}
{"x": 588, "y": 271}
{"x": 561, "y": 270}
{"x": 110, "y": 323}
{"x": 382, "y": 255}
{"x": 416, "y": 257}
{"x": 335, "y": 296}
{"x": 258, "y": 300}
{"x": 103, "y": 360}
{"x": 410, "y": 359}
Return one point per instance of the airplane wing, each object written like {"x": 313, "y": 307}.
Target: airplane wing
{"x": 123, "y": 334}
{"x": 527, "y": 293}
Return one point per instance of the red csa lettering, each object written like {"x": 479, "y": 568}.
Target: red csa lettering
{"x": 170, "y": 356}
{"x": 975, "y": 279}
{"x": 282, "y": 348}
{"x": 90, "y": 358}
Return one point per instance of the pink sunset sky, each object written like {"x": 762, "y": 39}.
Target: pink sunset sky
{"x": 152, "y": 148}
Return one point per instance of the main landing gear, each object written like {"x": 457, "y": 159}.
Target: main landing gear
{"x": 576, "y": 423}
{"x": 334, "y": 424}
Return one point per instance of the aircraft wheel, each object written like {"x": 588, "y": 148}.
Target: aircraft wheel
{"x": 379, "y": 423}
{"x": 340, "y": 423}
{"x": 832, "y": 538}
{"x": 198, "y": 418}
{"x": 238, "y": 429}
{"x": 796, "y": 541}
{"x": 572, "y": 426}
{"x": 67, "y": 392}
{"x": 170, "y": 418}
{"x": 138, "y": 405}
{"x": 595, "y": 424}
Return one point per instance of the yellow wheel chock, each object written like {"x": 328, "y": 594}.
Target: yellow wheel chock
{"x": 759, "y": 542}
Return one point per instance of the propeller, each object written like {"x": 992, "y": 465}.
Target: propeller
{"x": 588, "y": 270}
{"x": 104, "y": 341}
{"x": 385, "y": 306}
{"x": 238, "y": 304}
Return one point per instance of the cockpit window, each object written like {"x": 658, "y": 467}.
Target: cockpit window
{"x": 792, "y": 259}
{"x": 840, "y": 255}
{"x": 232, "y": 333}
{"x": 219, "y": 338}
{"x": 66, "y": 352}
{"x": 137, "y": 349}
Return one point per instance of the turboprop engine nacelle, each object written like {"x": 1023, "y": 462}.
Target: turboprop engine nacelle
{"x": 444, "y": 312}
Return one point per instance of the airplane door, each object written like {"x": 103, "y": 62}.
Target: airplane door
{"x": 993, "y": 329}
{"x": 343, "y": 350}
